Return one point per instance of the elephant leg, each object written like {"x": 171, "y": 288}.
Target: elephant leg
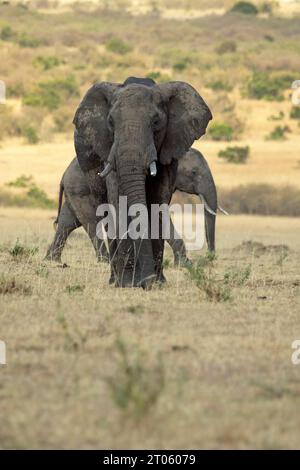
{"x": 160, "y": 192}
{"x": 98, "y": 243}
{"x": 67, "y": 222}
{"x": 178, "y": 246}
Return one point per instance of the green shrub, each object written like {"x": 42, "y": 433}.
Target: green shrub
{"x": 202, "y": 273}
{"x": 50, "y": 94}
{"x": 137, "y": 384}
{"x": 22, "y": 251}
{"x": 181, "y": 64}
{"x": 279, "y": 133}
{"x": 39, "y": 198}
{"x": 245, "y": 8}
{"x": 27, "y": 41}
{"x": 6, "y": 33}
{"x": 220, "y": 131}
{"x": 235, "y": 154}
{"x": 75, "y": 288}
{"x": 220, "y": 85}
{"x": 30, "y": 134}
{"x": 227, "y": 46}
{"x": 22, "y": 181}
{"x": 295, "y": 112}
{"x": 34, "y": 197}
{"x": 158, "y": 77}
{"x": 277, "y": 117}
{"x": 118, "y": 46}
{"x": 264, "y": 86}
{"x": 47, "y": 63}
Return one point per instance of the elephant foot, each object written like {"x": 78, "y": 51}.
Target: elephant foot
{"x": 180, "y": 260}
{"x": 126, "y": 279}
{"x": 160, "y": 278}
{"x": 53, "y": 257}
{"x": 148, "y": 282}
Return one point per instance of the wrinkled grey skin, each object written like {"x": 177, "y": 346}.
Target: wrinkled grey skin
{"x": 123, "y": 129}
{"x": 193, "y": 177}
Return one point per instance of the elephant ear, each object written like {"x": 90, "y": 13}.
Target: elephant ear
{"x": 92, "y": 137}
{"x": 188, "y": 117}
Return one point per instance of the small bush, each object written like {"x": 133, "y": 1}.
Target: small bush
{"x": 235, "y": 154}
{"x": 27, "y": 41}
{"x": 261, "y": 86}
{"x": 22, "y": 181}
{"x": 227, "y": 46}
{"x": 295, "y": 112}
{"x": 75, "y": 288}
{"x": 158, "y": 77}
{"x": 277, "y": 117}
{"x": 42, "y": 271}
{"x": 47, "y": 63}
{"x": 6, "y": 33}
{"x": 203, "y": 275}
{"x": 237, "y": 277}
{"x": 220, "y": 85}
{"x": 245, "y": 8}
{"x": 279, "y": 133}
{"x": 22, "y": 251}
{"x": 50, "y": 94}
{"x": 30, "y": 134}
{"x": 181, "y": 64}
{"x": 39, "y": 198}
{"x": 220, "y": 131}
{"x": 136, "y": 386}
{"x": 118, "y": 46}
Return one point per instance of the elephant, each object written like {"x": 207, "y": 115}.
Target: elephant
{"x": 193, "y": 177}
{"x": 134, "y": 134}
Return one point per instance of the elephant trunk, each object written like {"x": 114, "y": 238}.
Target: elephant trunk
{"x": 139, "y": 251}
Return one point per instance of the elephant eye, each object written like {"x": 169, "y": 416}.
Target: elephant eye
{"x": 156, "y": 121}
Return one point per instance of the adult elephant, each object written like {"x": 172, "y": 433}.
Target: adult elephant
{"x": 80, "y": 206}
{"x": 130, "y": 128}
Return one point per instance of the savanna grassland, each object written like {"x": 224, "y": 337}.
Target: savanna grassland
{"x": 205, "y": 360}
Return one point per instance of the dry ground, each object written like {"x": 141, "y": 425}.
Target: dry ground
{"x": 270, "y": 162}
{"x": 229, "y": 380}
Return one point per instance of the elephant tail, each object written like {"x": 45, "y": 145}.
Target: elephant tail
{"x": 60, "y": 199}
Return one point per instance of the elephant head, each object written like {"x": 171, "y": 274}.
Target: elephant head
{"x": 131, "y": 128}
{"x": 194, "y": 177}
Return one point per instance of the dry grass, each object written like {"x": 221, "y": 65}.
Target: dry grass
{"x": 228, "y": 377}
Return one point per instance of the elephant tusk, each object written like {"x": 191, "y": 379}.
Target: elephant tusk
{"x": 106, "y": 170}
{"x": 223, "y": 210}
{"x": 153, "y": 169}
{"x": 206, "y": 206}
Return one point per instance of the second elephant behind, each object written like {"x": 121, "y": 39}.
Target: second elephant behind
{"x": 79, "y": 208}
